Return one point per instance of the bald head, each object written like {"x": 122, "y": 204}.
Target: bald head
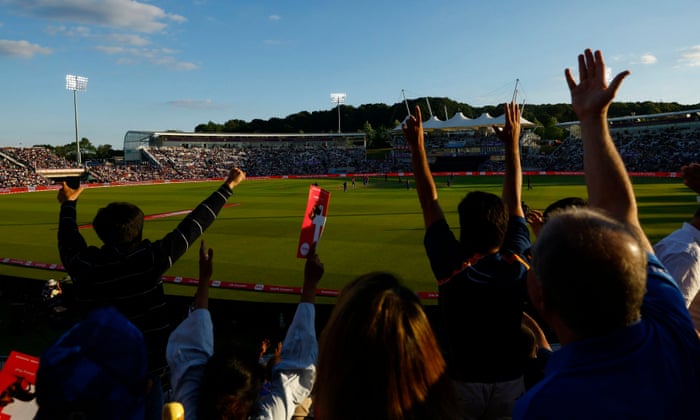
{"x": 591, "y": 270}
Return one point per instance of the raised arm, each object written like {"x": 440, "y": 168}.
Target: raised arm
{"x": 513, "y": 180}
{"x": 609, "y": 186}
{"x": 425, "y": 185}
{"x": 191, "y": 343}
{"x": 70, "y": 241}
{"x": 293, "y": 377}
{"x": 201, "y": 297}
{"x": 313, "y": 271}
{"x": 177, "y": 242}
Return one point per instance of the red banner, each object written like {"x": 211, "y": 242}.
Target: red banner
{"x": 314, "y": 220}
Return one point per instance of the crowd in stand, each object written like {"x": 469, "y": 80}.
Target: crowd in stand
{"x": 660, "y": 149}
{"x": 180, "y": 163}
{"x": 649, "y": 149}
{"x": 12, "y": 176}
{"x": 38, "y": 158}
{"x": 627, "y": 344}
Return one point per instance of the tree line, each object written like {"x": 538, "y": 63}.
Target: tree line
{"x": 87, "y": 150}
{"x": 377, "y": 120}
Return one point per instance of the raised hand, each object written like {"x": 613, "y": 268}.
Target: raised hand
{"x": 510, "y": 133}
{"x": 67, "y": 193}
{"x": 235, "y": 177}
{"x": 535, "y": 220}
{"x": 413, "y": 131}
{"x": 592, "y": 96}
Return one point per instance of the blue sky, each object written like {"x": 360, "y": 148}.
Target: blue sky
{"x": 159, "y": 65}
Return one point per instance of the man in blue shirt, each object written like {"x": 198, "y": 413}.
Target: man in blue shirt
{"x": 629, "y": 349}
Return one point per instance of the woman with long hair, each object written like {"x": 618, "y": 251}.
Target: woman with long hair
{"x": 378, "y": 357}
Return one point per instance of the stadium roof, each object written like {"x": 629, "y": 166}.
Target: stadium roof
{"x": 638, "y": 117}
{"x": 461, "y": 122}
{"x": 252, "y": 135}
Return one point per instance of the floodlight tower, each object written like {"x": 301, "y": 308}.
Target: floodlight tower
{"x": 338, "y": 99}
{"x": 76, "y": 83}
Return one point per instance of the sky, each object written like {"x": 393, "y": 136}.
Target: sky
{"x": 173, "y": 64}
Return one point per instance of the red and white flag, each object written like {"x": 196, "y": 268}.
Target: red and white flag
{"x": 314, "y": 219}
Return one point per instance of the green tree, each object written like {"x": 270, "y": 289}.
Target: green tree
{"x": 87, "y": 149}
{"x": 234, "y": 126}
{"x": 369, "y": 132}
{"x": 551, "y": 131}
{"x": 210, "y": 127}
{"x": 104, "y": 151}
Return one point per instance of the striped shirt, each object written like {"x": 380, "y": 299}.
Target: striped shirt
{"x": 131, "y": 281}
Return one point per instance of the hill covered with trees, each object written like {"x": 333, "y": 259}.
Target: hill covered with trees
{"x": 376, "y": 120}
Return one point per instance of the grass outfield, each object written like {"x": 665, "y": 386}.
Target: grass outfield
{"x": 379, "y": 227}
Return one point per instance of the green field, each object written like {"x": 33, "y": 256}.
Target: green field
{"x": 374, "y": 228}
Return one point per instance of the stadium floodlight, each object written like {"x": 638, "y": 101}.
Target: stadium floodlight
{"x": 76, "y": 83}
{"x": 338, "y": 99}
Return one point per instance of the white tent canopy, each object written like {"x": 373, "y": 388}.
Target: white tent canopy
{"x": 457, "y": 120}
{"x": 485, "y": 120}
{"x": 460, "y": 122}
{"x": 432, "y": 123}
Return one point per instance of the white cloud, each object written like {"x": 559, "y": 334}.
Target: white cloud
{"x": 690, "y": 56}
{"x": 171, "y": 62}
{"x": 129, "y": 39}
{"x": 23, "y": 49}
{"x": 274, "y": 17}
{"x": 156, "y": 56}
{"x": 125, "y": 14}
{"x": 107, "y": 49}
{"x": 125, "y": 61}
{"x": 72, "y": 31}
{"x": 648, "y": 59}
{"x": 131, "y": 18}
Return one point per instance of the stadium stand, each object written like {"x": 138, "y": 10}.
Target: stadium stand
{"x": 661, "y": 147}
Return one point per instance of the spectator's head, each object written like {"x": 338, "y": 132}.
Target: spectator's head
{"x": 378, "y": 355}
{"x": 119, "y": 224}
{"x": 589, "y": 274}
{"x": 231, "y": 383}
{"x": 98, "y": 369}
{"x": 483, "y": 221}
{"x": 563, "y": 204}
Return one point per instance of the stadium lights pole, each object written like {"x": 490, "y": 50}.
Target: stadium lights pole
{"x": 76, "y": 83}
{"x": 338, "y": 99}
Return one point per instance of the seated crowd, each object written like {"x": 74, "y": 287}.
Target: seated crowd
{"x": 647, "y": 149}
{"x": 180, "y": 163}
{"x": 627, "y": 344}
{"x": 659, "y": 149}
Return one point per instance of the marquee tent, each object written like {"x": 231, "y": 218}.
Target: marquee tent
{"x": 460, "y": 122}
{"x": 432, "y": 123}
